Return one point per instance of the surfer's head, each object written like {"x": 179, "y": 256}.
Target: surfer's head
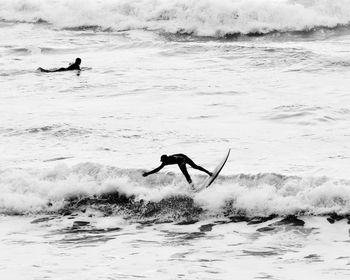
{"x": 77, "y": 61}
{"x": 163, "y": 158}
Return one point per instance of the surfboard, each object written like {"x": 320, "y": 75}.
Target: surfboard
{"x": 216, "y": 172}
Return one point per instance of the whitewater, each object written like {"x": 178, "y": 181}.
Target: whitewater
{"x": 268, "y": 79}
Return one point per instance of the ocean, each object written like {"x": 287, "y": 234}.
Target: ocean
{"x": 268, "y": 79}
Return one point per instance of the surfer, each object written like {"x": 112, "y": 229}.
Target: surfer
{"x": 181, "y": 160}
{"x": 73, "y": 66}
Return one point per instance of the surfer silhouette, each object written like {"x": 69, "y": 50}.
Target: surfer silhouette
{"x": 73, "y": 66}
{"x": 181, "y": 160}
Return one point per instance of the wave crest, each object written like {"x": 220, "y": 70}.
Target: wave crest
{"x": 114, "y": 191}
{"x": 196, "y": 17}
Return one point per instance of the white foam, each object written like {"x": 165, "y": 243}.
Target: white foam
{"x": 30, "y": 190}
{"x": 291, "y": 197}
{"x": 200, "y": 17}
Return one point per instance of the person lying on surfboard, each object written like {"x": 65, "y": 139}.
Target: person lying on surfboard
{"x": 73, "y": 66}
{"x": 181, "y": 160}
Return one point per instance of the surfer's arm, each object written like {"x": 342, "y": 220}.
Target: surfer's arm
{"x": 153, "y": 171}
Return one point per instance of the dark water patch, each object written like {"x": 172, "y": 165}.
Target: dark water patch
{"x": 78, "y": 224}
{"x": 85, "y": 227}
{"x": 185, "y": 236}
{"x": 41, "y": 21}
{"x": 290, "y": 115}
{"x": 41, "y": 129}
{"x": 209, "y": 261}
{"x": 146, "y": 223}
{"x": 85, "y": 239}
{"x": 266, "y": 253}
{"x": 93, "y": 230}
{"x": 56, "y": 159}
{"x": 326, "y": 119}
{"x": 187, "y": 222}
{"x": 222, "y": 222}
{"x": 43, "y": 219}
{"x": 180, "y": 209}
{"x": 289, "y": 220}
{"x": 288, "y": 224}
{"x": 288, "y": 227}
{"x": 134, "y": 136}
{"x": 339, "y": 63}
{"x": 259, "y": 220}
{"x": 238, "y": 219}
{"x": 193, "y": 235}
{"x": 343, "y": 257}
{"x": 313, "y": 258}
{"x": 236, "y": 244}
{"x": 265, "y": 229}
{"x": 71, "y": 132}
{"x": 334, "y": 217}
{"x": 20, "y": 51}
{"x": 94, "y": 28}
{"x": 206, "y": 228}
{"x": 264, "y": 276}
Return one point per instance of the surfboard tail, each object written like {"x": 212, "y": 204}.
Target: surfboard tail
{"x": 208, "y": 181}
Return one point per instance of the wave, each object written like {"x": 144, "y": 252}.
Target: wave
{"x": 197, "y": 17}
{"x": 166, "y": 196}
{"x": 54, "y": 130}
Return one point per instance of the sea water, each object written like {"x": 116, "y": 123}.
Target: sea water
{"x": 267, "y": 78}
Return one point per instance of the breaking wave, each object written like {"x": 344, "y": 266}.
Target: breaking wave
{"x": 166, "y": 196}
{"x": 196, "y": 17}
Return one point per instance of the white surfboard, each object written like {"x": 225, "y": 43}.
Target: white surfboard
{"x": 216, "y": 172}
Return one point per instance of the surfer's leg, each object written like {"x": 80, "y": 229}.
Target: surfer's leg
{"x": 195, "y": 166}
{"x": 185, "y": 173}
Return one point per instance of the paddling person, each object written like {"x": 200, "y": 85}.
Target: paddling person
{"x": 181, "y": 160}
{"x": 73, "y": 66}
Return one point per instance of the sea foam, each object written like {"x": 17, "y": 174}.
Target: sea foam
{"x": 49, "y": 190}
{"x": 196, "y": 17}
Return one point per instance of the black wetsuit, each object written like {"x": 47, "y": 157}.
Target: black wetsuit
{"x": 181, "y": 160}
{"x": 71, "y": 67}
